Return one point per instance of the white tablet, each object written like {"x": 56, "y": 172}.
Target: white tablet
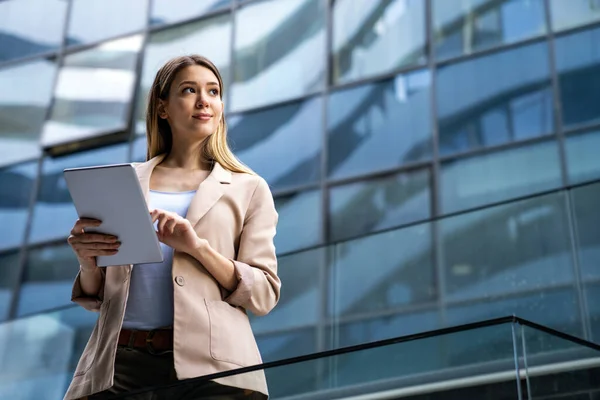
{"x": 113, "y": 195}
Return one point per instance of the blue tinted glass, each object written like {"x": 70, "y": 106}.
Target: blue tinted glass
{"x": 282, "y": 144}
{"x": 139, "y": 150}
{"x": 593, "y": 300}
{"x": 404, "y": 274}
{"x": 365, "y": 31}
{"x": 463, "y": 27}
{"x": 214, "y": 35}
{"x": 301, "y": 301}
{"x": 99, "y": 106}
{"x": 586, "y": 215}
{"x": 380, "y": 126}
{"x": 279, "y": 51}
{"x": 501, "y": 250}
{"x": 578, "y": 66}
{"x": 499, "y": 176}
{"x": 495, "y": 99}
{"x": 89, "y": 19}
{"x": 572, "y": 13}
{"x": 582, "y": 156}
{"x": 558, "y": 309}
{"x": 9, "y": 277}
{"x": 169, "y": 11}
{"x": 49, "y": 275}
{"x": 54, "y": 213}
{"x": 24, "y": 99}
{"x": 377, "y": 204}
{"x": 300, "y": 221}
{"x": 29, "y": 27}
{"x": 16, "y": 185}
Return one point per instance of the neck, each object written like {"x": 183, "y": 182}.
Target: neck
{"x": 186, "y": 156}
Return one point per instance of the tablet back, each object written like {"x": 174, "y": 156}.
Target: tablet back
{"x": 112, "y": 194}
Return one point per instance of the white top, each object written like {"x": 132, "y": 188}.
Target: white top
{"x": 150, "y": 301}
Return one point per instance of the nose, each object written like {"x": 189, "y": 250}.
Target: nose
{"x": 201, "y": 103}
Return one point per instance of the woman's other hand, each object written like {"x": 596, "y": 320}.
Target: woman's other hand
{"x": 176, "y": 231}
{"x": 87, "y": 246}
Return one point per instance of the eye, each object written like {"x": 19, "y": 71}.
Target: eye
{"x": 214, "y": 92}
{"x": 188, "y": 90}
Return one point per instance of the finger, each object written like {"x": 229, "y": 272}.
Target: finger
{"x": 155, "y": 215}
{"x": 164, "y": 218}
{"x": 82, "y": 247}
{"x": 170, "y": 226}
{"x": 96, "y": 253}
{"x": 82, "y": 223}
{"x": 92, "y": 238}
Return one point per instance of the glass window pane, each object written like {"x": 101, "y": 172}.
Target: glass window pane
{"x": 464, "y": 27}
{"x": 95, "y": 20}
{"x": 503, "y": 249}
{"x": 476, "y": 110}
{"x": 593, "y": 300}
{"x": 273, "y": 40}
{"x": 365, "y": 31}
{"x": 367, "y": 206}
{"x": 49, "y": 275}
{"x": 25, "y": 33}
{"x": 169, "y": 11}
{"x": 300, "y": 302}
{"x": 282, "y": 144}
{"x": 582, "y": 156}
{"x": 40, "y": 353}
{"x": 578, "y": 66}
{"x": 54, "y": 213}
{"x": 9, "y": 277}
{"x": 300, "y": 221}
{"x": 93, "y": 92}
{"x": 572, "y": 13}
{"x": 139, "y": 149}
{"x": 499, "y": 176}
{"x": 404, "y": 272}
{"x": 210, "y": 38}
{"x": 587, "y": 214}
{"x": 380, "y": 126}
{"x": 24, "y": 101}
{"x": 16, "y": 185}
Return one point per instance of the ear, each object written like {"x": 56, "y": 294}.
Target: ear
{"x": 162, "y": 109}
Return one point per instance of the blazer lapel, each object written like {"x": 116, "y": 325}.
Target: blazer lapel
{"x": 144, "y": 171}
{"x": 208, "y": 193}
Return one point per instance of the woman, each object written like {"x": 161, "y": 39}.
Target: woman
{"x": 216, "y": 220}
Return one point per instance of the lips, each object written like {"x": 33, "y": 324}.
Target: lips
{"x": 202, "y": 116}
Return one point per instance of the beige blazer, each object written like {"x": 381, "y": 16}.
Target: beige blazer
{"x": 235, "y": 212}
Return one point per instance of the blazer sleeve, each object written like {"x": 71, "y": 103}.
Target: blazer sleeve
{"x": 87, "y": 302}
{"x": 256, "y": 262}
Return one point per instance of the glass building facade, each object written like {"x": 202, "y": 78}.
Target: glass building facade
{"x": 416, "y": 150}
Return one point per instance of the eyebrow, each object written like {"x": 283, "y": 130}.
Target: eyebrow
{"x": 194, "y": 83}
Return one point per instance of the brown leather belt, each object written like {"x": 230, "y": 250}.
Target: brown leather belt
{"x": 158, "y": 340}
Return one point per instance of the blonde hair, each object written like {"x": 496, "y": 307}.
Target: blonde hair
{"x": 158, "y": 131}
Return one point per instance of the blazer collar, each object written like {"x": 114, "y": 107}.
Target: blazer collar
{"x": 207, "y": 194}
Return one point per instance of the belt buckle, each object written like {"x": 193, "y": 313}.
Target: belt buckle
{"x": 149, "y": 338}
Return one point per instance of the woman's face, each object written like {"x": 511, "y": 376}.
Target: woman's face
{"x": 193, "y": 107}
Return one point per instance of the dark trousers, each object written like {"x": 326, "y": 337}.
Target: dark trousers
{"x": 137, "y": 369}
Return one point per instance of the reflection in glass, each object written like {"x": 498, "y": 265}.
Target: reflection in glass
{"x": 572, "y": 13}
{"x": 578, "y": 67}
{"x": 54, "y": 213}
{"x": 169, "y": 11}
{"x": 279, "y": 51}
{"x": 210, "y": 38}
{"x": 464, "y": 27}
{"x": 500, "y": 98}
{"x": 300, "y": 221}
{"x": 367, "y": 206}
{"x": 586, "y": 214}
{"x": 382, "y": 272}
{"x": 379, "y": 126}
{"x": 16, "y": 185}
{"x": 40, "y": 353}
{"x": 9, "y": 277}
{"x": 24, "y": 100}
{"x": 365, "y": 31}
{"x": 502, "y": 250}
{"x": 25, "y": 33}
{"x": 583, "y": 157}
{"x": 95, "y": 20}
{"x": 283, "y": 144}
{"x": 49, "y": 275}
{"x": 139, "y": 149}
{"x": 557, "y": 309}
{"x": 300, "y": 302}
{"x": 93, "y": 92}
{"x": 593, "y": 294}
{"x": 499, "y": 176}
